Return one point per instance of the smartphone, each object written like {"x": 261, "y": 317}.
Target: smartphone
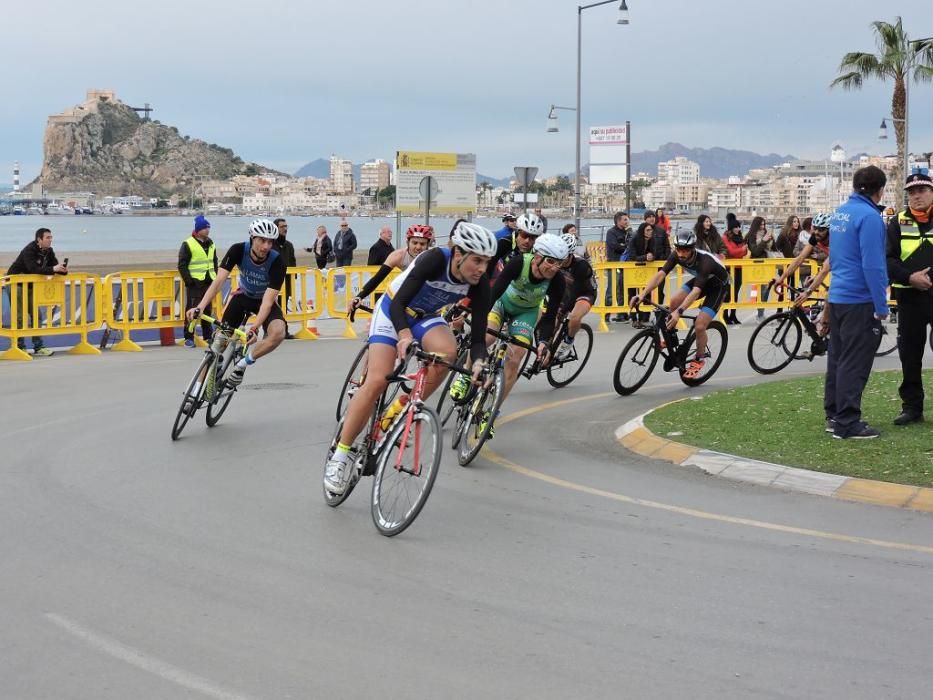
{"x": 65, "y": 262}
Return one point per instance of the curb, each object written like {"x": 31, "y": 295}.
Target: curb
{"x": 636, "y": 437}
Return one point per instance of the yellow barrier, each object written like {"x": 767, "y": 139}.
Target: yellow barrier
{"x": 338, "y": 302}
{"x": 145, "y": 300}
{"x": 56, "y": 305}
{"x": 307, "y": 284}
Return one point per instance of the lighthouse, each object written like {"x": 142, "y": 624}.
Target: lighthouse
{"x": 16, "y": 176}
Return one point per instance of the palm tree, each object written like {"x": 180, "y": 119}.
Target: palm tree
{"x": 898, "y": 58}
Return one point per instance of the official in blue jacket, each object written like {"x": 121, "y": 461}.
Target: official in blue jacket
{"x": 858, "y": 303}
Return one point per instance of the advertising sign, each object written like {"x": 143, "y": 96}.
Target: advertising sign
{"x": 453, "y": 181}
{"x": 608, "y": 149}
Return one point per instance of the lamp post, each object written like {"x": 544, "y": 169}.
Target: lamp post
{"x": 883, "y": 136}
{"x": 552, "y": 118}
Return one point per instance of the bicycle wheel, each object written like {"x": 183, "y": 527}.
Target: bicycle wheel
{"x": 931, "y": 338}
{"x": 333, "y": 499}
{"x": 636, "y": 362}
{"x": 445, "y": 404}
{"x": 774, "y": 343}
{"x": 487, "y": 402}
{"x": 354, "y": 379}
{"x": 222, "y": 394}
{"x": 192, "y": 398}
{"x": 717, "y": 340}
{"x": 406, "y": 471}
{"x": 560, "y": 374}
{"x": 887, "y": 343}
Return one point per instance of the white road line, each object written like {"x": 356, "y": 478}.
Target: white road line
{"x": 143, "y": 661}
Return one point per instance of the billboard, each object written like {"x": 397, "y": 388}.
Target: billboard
{"x": 608, "y": 150}
{"x": 454, "y": 176}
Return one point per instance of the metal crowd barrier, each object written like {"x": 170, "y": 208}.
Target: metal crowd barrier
{"x": 36, "y": 305}
{"x": 343, "y": 283}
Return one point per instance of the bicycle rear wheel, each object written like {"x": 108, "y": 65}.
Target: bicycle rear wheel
{"x": 222, "y": 394}
{"x": 406, "y": 471}
{"x": 887, "y": 343}
{"x": 191, "y": 400}
{"x": 774, "y": 343}
{"x": 486, "y": 405}
{"x": 560, "y": 374}
{"x": 635, "y": 363}
{"x": 355, "y": 377}
{"x": 717, "y": 340}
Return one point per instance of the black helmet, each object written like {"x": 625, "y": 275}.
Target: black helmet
{"x": 685, "y": 238}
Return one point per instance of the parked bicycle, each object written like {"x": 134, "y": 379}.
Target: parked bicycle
{"x": 208, "y": 387}
{"x": 641, "y": 353}
{"x": 403, "y": 455}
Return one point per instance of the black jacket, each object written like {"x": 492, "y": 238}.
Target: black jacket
{"x": 639, "y": 247}
{"x": 326, "y": 249}
{"x": 184, "y": 257}
{"x": 616, "y": 242}
{"x": 32, "y": 260}
{"x": 378, "y": 253}
{"x": 287, "y": 251}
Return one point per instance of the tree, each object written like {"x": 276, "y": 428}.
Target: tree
{"x": 386, "y": 195}
{"x": 898, "y": 59}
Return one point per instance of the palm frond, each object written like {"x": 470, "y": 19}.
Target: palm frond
{"x": 923, "y": 74}
{"x": 848, "y": 81}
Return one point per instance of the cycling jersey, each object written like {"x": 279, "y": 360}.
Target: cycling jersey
{"x": 705, "y": 267}
{"x": 255, "y": 278}
{"x": 517, "y": 292}
{"x": 579, "y": 282}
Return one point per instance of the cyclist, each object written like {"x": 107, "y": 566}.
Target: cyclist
{"x": 579, "y": 294}
{"x": 525, "y": 282}
{"x": 262, "y": 274}
{"x": 527, "y": 228}
{"x": 710, "y": 281}
{"x": 409, "y": 311}
{"x": 818, "y": 248}
{"x": 419, "y": 237}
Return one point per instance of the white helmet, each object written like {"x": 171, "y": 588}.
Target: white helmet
{"x": 263, "y": 228}
{"x": 473, "y": 238}
{"x": 530, "y": 223}
{"x": 821, "y": 220}
{"x": 552, "y": 246}
{"x": 570, "y": 239}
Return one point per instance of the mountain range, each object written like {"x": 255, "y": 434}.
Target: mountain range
{"x": 714, "y": 162}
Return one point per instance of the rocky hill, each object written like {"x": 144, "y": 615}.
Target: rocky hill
{"x": 714, "y": 162}
{"x": 104, "y": 146}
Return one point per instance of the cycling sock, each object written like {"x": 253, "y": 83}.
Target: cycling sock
{"x": 341, "y": 453}
{"x": 197, "y": 388}
{"x": 246, "y": 361}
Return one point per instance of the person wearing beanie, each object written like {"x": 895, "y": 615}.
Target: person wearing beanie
{"x": 736, "y": 248}
{"x": 909, "y": 261}
{"x": 197, "y": 265}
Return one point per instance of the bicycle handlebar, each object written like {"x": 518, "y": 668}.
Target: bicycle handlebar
{"x": 243, "y": 335}
{"x": 414, "y": 350}
{"x": 360, "y": 307}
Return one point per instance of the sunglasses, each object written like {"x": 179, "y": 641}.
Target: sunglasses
{"x": 550, "y": 261}
{"x": 525, "y": 234}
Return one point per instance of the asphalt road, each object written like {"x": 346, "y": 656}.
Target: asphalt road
{"x": 559, "y": 565}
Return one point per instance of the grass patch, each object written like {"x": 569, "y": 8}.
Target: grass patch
{"x": 783, "y": 422}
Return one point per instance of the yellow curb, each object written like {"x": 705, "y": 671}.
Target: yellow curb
{"x": 652, "y": 445}
{"x": 676, "y": 452}
{"x": 638, "y": 435}
{"x": 877, "y": 492}
{"x": 922, "y": 501}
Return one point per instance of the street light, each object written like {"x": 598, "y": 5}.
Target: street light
{"x": 552, "y": 118}
{"x": 552, "y": 124}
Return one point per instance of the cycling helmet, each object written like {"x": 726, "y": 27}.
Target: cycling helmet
{"x": 530, "y": 223}
{"x": 685, "y": 238}
{"x": 570, "y": 239}
{"x": 421, "y": 231}
{"x": 263, "y": 228}
{"x": 821, "y": 220}
{"x": 552, "y": 246}
{"x": 473, "y": 238}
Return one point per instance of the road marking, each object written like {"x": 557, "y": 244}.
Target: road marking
{"x": 143, "y": 661}
{"x": 501, "y": 461}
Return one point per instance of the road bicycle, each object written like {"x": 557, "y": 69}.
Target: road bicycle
{"x": 561, "y": 372}
{"x": 403, "y": 456}
{"x": 641, "y": 353}
{"x": 209, "y": 386}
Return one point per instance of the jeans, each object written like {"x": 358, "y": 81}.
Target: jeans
{"x": 853, "y": 339}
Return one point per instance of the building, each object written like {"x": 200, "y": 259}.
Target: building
{"x": 679, "y": 171}
{"x": 374, "y": 176}
{"x": 341, "y": 176}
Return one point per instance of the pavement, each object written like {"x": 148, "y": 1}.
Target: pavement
{"x": 558, "y": 565}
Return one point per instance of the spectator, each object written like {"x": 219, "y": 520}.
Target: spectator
{"x": 197, "y": 265}
{"x": 287, "y": 251}
{"x": 542, "y": 217}
{"x": 508, "y": 228}
{"x": 382, "y": 248}
{"x": 662, "y": 220}
{"x": 761, "y": 244}
{"x": 649, "y": 244}
{"x": 788, "y": 237}
{"x": 37, "y": 258}
{"x": 344, "y": 245}
{"x": 323, "y": 249}
{"x": 617, "y": 240}
{"x": 910, "y": 257}
{"x": 858, "y": 302}
{"x": 736, "y": 249}
{"x": 708, "y": 237}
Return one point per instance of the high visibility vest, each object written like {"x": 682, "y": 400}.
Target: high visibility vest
{"x": 911, "y": 240}
{"x": 201, "y": 264}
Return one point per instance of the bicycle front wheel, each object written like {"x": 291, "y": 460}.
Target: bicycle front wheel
{"x": 635, "y": 363}
{"x": 406, "y": 471}
{"x": 717, "y": 340}
{"x": 774, "y": 343}
{"x": 222, "y": 394}
{"x": 191, "y": 400}
{"x": 354, "y": 379}
{"x": 560, "y": 373}
{"x": 478, "y": 422}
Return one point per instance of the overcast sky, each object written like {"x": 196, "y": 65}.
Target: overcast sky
{"x": 283, "y": 82}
